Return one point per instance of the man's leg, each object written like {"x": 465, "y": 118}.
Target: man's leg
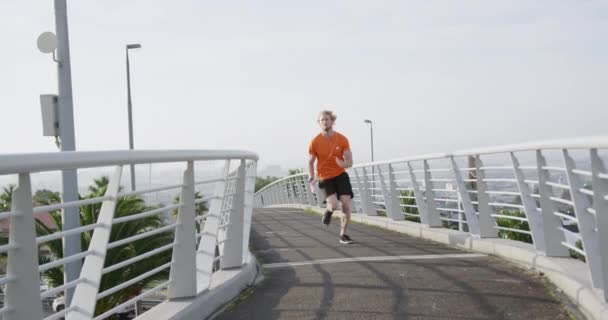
{"x": 346, "y": 210}
{"x": 331, "y": 203}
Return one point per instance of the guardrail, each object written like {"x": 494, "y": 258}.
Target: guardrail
{"x": 553, "y": 194}
{"x": 222, "y": 239}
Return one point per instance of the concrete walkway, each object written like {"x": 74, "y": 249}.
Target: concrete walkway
{"x": 308, "y": 274}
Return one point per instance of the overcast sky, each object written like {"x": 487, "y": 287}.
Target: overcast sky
{"x": 434, "y": 76}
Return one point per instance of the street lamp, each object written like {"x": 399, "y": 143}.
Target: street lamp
{"x": 129, "y": 104}
{"x": 371, "y": 133}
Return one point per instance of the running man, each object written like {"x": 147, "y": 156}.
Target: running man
{"x": 332, "y": 153}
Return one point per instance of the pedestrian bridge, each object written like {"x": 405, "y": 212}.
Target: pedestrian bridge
{"x": 507, "y": 232}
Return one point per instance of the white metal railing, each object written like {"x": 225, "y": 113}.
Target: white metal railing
{"x": 553, "y": 194}
{"x": 223, "y": 238}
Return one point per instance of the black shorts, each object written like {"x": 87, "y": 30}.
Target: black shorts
{"x": 339, "y": 185}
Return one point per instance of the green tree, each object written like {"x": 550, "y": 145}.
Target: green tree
{"x": 261, "y": 182}
{"x": 407, "y": 199}
{"x": 6, "y": 197}
{"x": 125, "y": 206}
{"x": 513, "y": 224}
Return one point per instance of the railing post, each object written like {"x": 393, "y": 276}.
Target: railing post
{"x": 486, "y": 221}
{"x": 183, "y": 270}
{"x": 248, "y": 202}
{"x": 367, "y": 204}
{"x": 469, "y": 210}
{"x": 586, "y": 222}
{"x": 85, "y": 294}
{"x": 309, "y": 194}
{"x": 23, "y": 292}
{"x": 233, "y": 247}
{"x": 209, "y": 237}
{"x": 420, "y": 203}
{"x": 391, "y": 199}
{"x": 600, "y": 191}
{"x": 551, "y": 223}
{"x": 532, "y": 213}
{"x": 434, "y": 219}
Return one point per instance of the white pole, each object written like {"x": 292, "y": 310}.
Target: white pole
{"x": 70, "y": 217}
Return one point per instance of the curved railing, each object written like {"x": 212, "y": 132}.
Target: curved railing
{"x": 552, "y": 194}
{"x": 192, "y": 256}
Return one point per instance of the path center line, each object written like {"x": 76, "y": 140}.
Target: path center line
{"x": 377, "y": 258}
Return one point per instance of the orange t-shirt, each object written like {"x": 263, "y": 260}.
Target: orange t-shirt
{"x": 327, "y": 149}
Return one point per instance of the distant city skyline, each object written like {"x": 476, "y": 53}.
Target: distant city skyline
{"x": 434, "y": 76}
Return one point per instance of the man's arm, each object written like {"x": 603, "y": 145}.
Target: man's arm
{"x": 348, "y": 160}
{"x": 311, "y": 167}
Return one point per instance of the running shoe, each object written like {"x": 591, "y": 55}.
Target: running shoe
{"x": 345, "y": 239}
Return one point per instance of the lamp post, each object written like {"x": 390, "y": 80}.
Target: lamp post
{"x": 129, "y": 104}
{"x": 371, "y": 134}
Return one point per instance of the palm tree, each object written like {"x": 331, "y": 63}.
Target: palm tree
{"x": 6, "y": 197}
{"x": 125, "y": 206}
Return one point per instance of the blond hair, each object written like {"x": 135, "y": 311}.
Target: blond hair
{"x": 329, "y": 113}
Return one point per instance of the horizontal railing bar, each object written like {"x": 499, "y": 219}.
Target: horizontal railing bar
{"x": 137, "y": 258}
{"x": 562, "y": 201}
{"x": 408, "y": 205}
{"x": 7, "y": 247}
{"x": 411, "y": 214}
{"x": 8, "y": 214}
{"x": 196, "y": 183}
{"x": 506, "y": 205}
{"x": 550, "y": 168}
{"x": 132, "y": 301}
{"x": 565, "y": 216}
{"x": 70, "y": 204}
{"x": 69, "y": 232}
{"x": 512, "y": 230}
{"x": 63, "y": 261}
{"x": 115, "y": 244}
{"x": 499, "y": 180}
{"x": 567, "y": 245}
{"x": 446, "y": 200}
{"x": 506, "y": 193}
{"x": 496, "y": 168}
{"x": 586, "y": 191}
{"x": 406, "y": 197}
{"x": 582, "y": 172}
{"x": 444, "y": 190}
{"x": 453, "y": 220}
{"x": 558, "y": 185}
{"x": 134, "y": 280}
{"x": 150, "y": 190}
{"x": 531, "y": 181}
{"x": 450, "y": 210}
{"x": 204, "y": 199}
{"x": 509, "y": 217}
{"x": 7, "y": 279}
{"x": 52, "y": 292}
{"x": 216, "y": 259}
{"x": 441, "y": 180}
{"x": 146, "y": 214}
{"x": 61, "y": 314}
{"x": 591, "y": 210}
{"x": 54, "y": 161}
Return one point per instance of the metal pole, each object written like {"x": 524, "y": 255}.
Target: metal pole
{"x": 70, "y": 216}
{"x": 129, "y": 104}
{"x": 371, "y": 133}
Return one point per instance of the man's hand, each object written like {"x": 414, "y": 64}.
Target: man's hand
{"x": 341, "y": 163}
{"x": 313, "y": 185}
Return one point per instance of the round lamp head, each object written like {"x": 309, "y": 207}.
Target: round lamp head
{"x": 47, "y": 42}
{"x": 367, "y": 121}
{"x": 134, "y": 46}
